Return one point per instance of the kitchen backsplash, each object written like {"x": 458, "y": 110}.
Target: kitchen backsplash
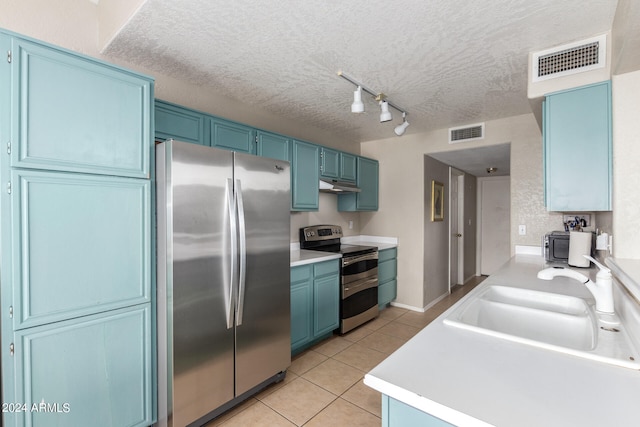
{"x": 326, "y": 214}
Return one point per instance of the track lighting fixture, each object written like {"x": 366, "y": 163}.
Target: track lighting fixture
{"x": 358, "y": 105}
{"x": 385, "y": 115}
{"x": 399, "y": 130}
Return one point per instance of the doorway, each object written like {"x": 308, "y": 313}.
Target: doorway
{"x": 456, "y": 227}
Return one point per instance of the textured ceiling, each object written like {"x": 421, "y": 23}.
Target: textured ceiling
{"x": 447, "y": 62}
{"x": 475, "y": 161}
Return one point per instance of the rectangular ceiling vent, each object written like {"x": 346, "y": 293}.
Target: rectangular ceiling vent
{"x": 466, "y": 133}
{"x": 569, "y": 59}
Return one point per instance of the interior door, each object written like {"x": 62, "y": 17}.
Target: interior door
{"x": 456, "y": 224}
{"x": 263, "y": 338}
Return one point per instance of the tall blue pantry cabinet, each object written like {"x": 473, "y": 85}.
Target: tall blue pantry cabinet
{"x": 76, "y": 239}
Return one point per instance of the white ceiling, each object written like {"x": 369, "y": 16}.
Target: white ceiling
{"x": 475, "y": 161}
{"x": 447, "y": 62}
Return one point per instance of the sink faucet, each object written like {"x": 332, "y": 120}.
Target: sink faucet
{"x": 602, "y": 289}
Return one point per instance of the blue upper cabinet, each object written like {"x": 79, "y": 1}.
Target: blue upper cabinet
{"x": 273, "y": 146}
{"x": 348, "y": 166}
{"x": 578, "y": 149}
{"x": 305, "y": 177}
{"x": 231, "y": 136}
{"x": 179, "y": 123}
{"x": 337, "y": 165}
{"x": 329, "y": 163}
{"x": 367, "y": 180}
{"x": 75, "y": 114}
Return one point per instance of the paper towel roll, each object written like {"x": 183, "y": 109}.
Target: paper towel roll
{"x": 579, "y": 245}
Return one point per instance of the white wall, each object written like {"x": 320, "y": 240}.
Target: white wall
{"x": 435, "y": 264}
{"x": 84, "y": 27}
{"x": 626, "y": 165}
{"x": 402, "y": 190}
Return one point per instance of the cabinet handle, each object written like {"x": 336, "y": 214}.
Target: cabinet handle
{"x": 11, "y": 349}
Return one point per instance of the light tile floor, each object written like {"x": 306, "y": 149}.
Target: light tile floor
{"x": 324, "y": 387}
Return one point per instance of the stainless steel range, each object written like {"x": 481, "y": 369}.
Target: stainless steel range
{"x": 358, "y": 273}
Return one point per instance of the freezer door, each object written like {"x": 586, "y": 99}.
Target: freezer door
{"x": 196, "y": 335}
{"x": 263, "y": 341}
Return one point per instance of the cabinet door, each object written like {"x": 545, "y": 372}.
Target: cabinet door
{"x": 368, "y": 182}
{"x": 95, "y": 369}
{"x": 578, "y": 150}
{"x": 305, "y": 176}
{"x": 231, "y": 136}
{"x": 179, "y": 123}
{"x": 81, "y": 245}
{"x": 348, "y": 167}
{"x": 75, "y": 114}
{"x": 326, "y": 303}
{"x": 329, "y": 163}
{"x": 301, "y": 306}
{"x": 273, "y": 146}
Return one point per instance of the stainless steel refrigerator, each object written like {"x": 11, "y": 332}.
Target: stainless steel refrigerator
{"x": 223, "y": 279}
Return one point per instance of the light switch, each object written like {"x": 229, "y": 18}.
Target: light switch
{"x": 522, "y": 230}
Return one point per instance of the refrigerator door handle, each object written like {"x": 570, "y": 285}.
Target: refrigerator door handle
{"x": 230, "y": 286}
{"x": 243, "y": 251}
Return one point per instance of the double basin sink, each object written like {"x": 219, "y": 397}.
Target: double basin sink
{"x": 556, "y": 322}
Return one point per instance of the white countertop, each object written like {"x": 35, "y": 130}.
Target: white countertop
{"x": 305, "y": 256}
{"x": 470, "y": 379}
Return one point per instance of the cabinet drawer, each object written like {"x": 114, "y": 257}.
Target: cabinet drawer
{"x": 387, "y": 254}
{"x": 387, "y": 292}
{"x": 387, "y": 270}
{"x": 301, "y": 273}
{"x": 100, "y": 366}
{"x": 71, "y": 113}
{"x": 81, "y": 245}
{"x": 326, "y": 267}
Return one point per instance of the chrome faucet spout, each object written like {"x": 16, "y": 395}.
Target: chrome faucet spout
{"x": 602, "y": 289}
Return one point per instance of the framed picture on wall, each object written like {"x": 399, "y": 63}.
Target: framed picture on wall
{"x": 437, "y": 201}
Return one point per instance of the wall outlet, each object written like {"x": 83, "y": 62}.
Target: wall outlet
{"x": 569, "y": 218}
{"x": 522, "y": 230}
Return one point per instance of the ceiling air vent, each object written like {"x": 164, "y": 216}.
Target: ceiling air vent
{"x": 466, "y": 133}
{"x": 569, "y": 59}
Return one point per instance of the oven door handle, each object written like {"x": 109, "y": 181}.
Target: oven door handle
{"x": 351, "y": 289}
{"x": 358, "y": 258}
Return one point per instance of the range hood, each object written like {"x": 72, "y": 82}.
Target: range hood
{"x": 338, "y": 187}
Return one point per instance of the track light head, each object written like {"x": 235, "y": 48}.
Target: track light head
{"x": 401, "y": 128}
{"x": 358, "y": 105}
{"x": 385, "y": 114}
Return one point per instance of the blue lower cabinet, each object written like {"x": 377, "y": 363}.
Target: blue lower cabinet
{"x": 301, "y": 306}
{"x": 387, "y": 273}
{"x": 315, "y": 303}
{"x": 398, "y": 414}
{"x": 95, "y": 370}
